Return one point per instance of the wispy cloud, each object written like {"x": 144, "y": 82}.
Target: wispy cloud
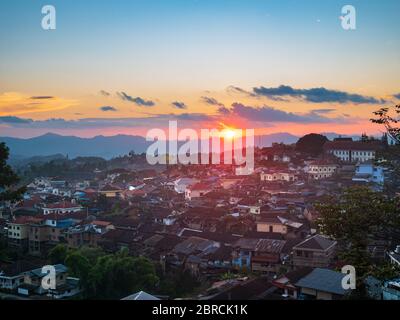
{"x": 108, "y": 108}
{"x": 211, "y": 101}
{"x": 42, "y": 97}
{"x": 269, "y": 114}
{"x": 16, "y": 103}
{"x": 138, "y": 100}
{"x": 397, "y": 96}
{"x": 179, "y": 105}
{"x": 316, "y": 95}
{"x": 105, "y": 93}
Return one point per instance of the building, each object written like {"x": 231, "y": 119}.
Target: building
{"x": 62, "y": 208}
{"x": 197, "y": 191}
{"x": 391, "y": 289}
{"x": 353, "y": 151}
{"x": 181, "y": 184}
{"x": 321, "y": 169}
{"x": 18, "y": 232}
{"x": 317, "y": 251}
{"x": 276, "y": 222}
{"x": 278, "y": 176}
{"x": 369, "y": 173}
{"x": 141, "y": 295}
{"x": 12, "y": 275}
{"x": 33, "y": 280}
{"x": 285, "y": 284}
{"x": 321, "y": 284}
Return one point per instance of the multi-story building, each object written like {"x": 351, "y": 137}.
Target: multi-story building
{"x": 18, "y": 232}
{"x": 321, "y": 169}
{"x": 353, "y": 151}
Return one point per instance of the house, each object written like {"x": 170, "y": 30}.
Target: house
{"x": 47, "y": 232}
{"x": 87, "y": 234}
{"x": 280, "y": 222}
{"x": 181, "y": 184}
{"x": 33, "y": 280}
{"x": 321, "y": 284}
{"x": 111, "y": 191}
{"x": 268, "y": 255}
{"x": 286, "y": 283}
{"x": 279, "y": 176}
{"x": 141, "y": 295}
{"x": 164, "y": 216}
{"x": 62, "y": 208}
{"x": 69, "y": 288}
{"x": 241, "y": 289}
{"x": 394, "y": 256}
{"x": 317, "y": 251}
{"x": 353, "y": 151}
{"x": 197, "y": 190}
{"x": 321, "y": 169}
{"x": 12, "y": 275}
{"x": 391, "y": 289}
{"x": 368, "y": 172}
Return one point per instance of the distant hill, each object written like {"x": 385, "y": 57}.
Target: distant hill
{"x": 58, "y": 146}
{"x": 51, "y": 144}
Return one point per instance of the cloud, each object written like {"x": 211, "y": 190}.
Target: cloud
{"x": 138, "y": 101}
{"x": 316, "y": 95}
{"x": 105, "y": 93}
{"x": 323, "y": 111}
{"x": 212, "y": 101}
{"x": 108, "y": 108}
{"x": 397, "y": 96}
{"x": 16, "y": 103}
{"x": 179, "y": 105}
{"x": 42, "y": 97}
{"x": 237, "y": 90}
{"x": 269, "y": 114}
{"x": 14, "y": 120}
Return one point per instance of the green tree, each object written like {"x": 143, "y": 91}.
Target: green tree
{"x": 390, "y": 157}
{"x": 312, "y": 144}
{"x": 58, "y": 254}
{"x": 355, "y": 219}
{"x": 118, "y": 275}
{"x": 8, "y": 179}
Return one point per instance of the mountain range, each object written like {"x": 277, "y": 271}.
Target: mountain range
{"x": 106, "y": 147}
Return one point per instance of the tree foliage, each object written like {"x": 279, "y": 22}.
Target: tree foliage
{"x": 390, "y": 157}
{"x": 8, "y": 179}
{"x": 312, "y": 144}
{"x": 357, "y": 218}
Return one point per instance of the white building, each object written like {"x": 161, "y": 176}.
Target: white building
{"x": 181, "y": 184}
{"x": 353, "y": 151}
{"x": 368, "y": 172}
{"x": 318, "y": 170}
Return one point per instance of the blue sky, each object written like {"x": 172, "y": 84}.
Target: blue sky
{"x": 177, "y": 49}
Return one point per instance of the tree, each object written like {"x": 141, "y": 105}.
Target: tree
{"x": 357, "y": 218}
{"x": 390, "y": 157}
{"x": 8, "y": 179}
{"x": 58, "y": 254}
{"x": 390, "y": 118}
{"x": 312, "y": 144}
{"x": 118, "y": 275}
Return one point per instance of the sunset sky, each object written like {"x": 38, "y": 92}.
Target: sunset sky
{"x": 123, "y": 67}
